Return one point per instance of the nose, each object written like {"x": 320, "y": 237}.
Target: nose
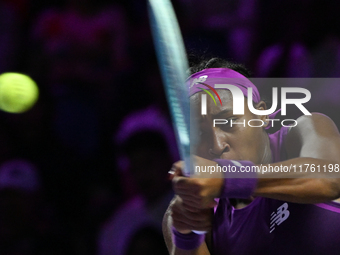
{"x": 219, "y": 144}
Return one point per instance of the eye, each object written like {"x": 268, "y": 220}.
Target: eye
{"x": 201, "y": 133}
{"x": 229, "y": 126}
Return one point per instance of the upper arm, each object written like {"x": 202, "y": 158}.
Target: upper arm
{"x": 315, "y": 136}
{"x": 312, "y": 144}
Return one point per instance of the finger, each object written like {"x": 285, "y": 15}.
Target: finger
{"x": 212, "y": 204}
{"x": 191, "y": 219}
{"x": 189, "y": 198}
{"x": 202, "y": 215}
{"x": 191, "y": 208}
{"x": 180, "y": 226}
{"x": 193, "y": 203}
{"x": 184, "y": 219}
{"x": 181, "y": 209}
{"x": 185, "y": 184}
{"x": 187, "y": 223}
{"x": 190, "y": 205}
{"x": 188, "y": 194}
{"x": 177, "y": 168}
{"x": 195, "y": 225}
{"x": 197, "y": 203}
{"x": 196, "y": 215}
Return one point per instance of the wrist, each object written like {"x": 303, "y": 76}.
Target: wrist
{"x": 189, "y": 241}
{"x": 239, "y": 180}
{"x": 183, "y": 232}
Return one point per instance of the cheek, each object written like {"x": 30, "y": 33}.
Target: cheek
{"x": 247, "y": 143}
{"x": 258, "y": 146}
{"x": 201, "y": 149}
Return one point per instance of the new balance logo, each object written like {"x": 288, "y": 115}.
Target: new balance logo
{"x": 276, "y": 218}
{"x": 200, "y": 79}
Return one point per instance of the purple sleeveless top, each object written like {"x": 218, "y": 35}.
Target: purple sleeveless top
{"x": 272, "y": 227}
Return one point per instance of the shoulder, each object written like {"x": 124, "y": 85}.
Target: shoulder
{"x": 312, "y": 134}
{"x": 315, "y": 118}
{"x": 314, "y": 124}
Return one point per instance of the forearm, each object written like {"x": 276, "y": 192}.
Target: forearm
{"x": 300, "y": 184}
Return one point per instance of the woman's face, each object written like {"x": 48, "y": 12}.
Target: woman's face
{"x": 225, "y": 141}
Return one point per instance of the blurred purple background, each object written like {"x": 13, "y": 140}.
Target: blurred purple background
{"x": 90, "y": 136}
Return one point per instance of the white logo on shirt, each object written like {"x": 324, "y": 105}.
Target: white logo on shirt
{"x": 276, "y": 218}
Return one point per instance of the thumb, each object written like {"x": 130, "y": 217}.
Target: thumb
{"x": 176, "y": 170}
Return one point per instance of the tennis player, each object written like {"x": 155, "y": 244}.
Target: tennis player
{"x": 243, "y": 213}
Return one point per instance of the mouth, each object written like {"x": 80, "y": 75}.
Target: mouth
{"x": 232, "y": 158}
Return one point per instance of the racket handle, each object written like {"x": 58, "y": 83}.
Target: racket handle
{"x": 199, "y": 232}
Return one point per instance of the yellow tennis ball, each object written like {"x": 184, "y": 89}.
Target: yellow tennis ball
{"x": 18, "y": 92}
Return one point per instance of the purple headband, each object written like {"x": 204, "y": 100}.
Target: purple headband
{"x": 207, "y": 78}
{"x": 212, "y": 76}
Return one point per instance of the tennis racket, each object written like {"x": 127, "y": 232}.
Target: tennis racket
{"x": 173, "y": 64}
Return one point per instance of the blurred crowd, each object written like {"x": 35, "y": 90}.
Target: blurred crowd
{"x": 85, "y": 170}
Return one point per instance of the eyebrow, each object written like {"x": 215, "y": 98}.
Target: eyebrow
{"x": 222, "y": 113}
